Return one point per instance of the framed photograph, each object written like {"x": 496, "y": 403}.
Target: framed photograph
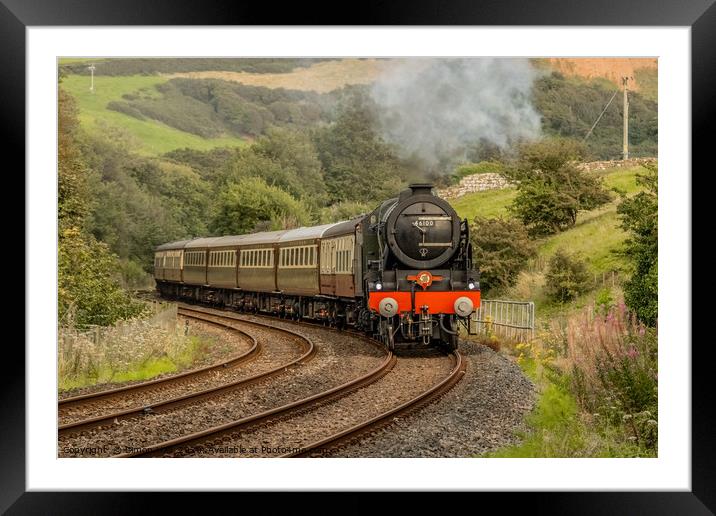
{"x": 416, "y": 253}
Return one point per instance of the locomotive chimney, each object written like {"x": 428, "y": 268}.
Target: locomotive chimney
{"x": 416, "y": 189}
{"x": 421, "y": 188}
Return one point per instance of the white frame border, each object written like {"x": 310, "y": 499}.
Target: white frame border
{"x": 672, "y": 470}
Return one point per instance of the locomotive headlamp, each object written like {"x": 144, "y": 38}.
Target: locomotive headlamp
{"x": 471, "y": 285}
{"x": 378, "y": 285}
{"x": 463, "y": 306}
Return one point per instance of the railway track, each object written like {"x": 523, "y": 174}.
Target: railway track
{"x": 278, "y": 424}
{"x": 222, "y": 437}
{"x": 136, "y": 395}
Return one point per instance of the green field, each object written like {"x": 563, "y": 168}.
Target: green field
{"x": 491, "y": 203}
{"x": 148, "y": 137}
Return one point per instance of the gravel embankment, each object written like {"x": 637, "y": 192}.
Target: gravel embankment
{"x": 480, "y": 414}
{"x": 339, "y": 358}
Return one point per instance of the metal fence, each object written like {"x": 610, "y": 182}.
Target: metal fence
{"x": 513, "y": 320}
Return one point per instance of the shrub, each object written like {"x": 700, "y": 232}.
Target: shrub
{"x": 567, "y": 277}
{"x": 604, "y": 301}
{"x": 501, "y": 249}
{"x": 249, "y": 204}
{"x": 640, "y": 217}
{"x": 551, "y": 190}
{"x": 126, "y": 108}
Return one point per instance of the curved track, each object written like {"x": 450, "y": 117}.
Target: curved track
{"x": 138, "y": 392}
{"x": 323, "y": 438}
{"x": 228, "y": 439}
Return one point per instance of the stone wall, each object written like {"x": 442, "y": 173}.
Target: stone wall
{"x": 474, "y": 183}
{"x": 592, "y": 166}
{"x": 492, "y": 181}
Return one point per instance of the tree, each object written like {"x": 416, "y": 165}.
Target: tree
{"x": 358, "y": 165}
{"x": 88, "y": 292}
{"x": 567, "y": 277}
{"x": 501, "y": 249}
{"x": 296, "y": 155}
{"x": 639, "y": 216}
{"x": 550, "y": 189}
{"x": 345, "y": 210}
{"x": 251, "y": 205}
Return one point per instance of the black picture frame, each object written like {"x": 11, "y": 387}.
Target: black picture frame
{"x": 700, "y": 15}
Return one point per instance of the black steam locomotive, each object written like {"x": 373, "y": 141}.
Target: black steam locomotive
{"x": 403, "y": 272}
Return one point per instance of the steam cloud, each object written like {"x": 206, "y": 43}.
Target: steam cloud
{"x": 433, "y": 109}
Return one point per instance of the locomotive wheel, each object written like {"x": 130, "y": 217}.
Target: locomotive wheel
{"x": 451, "y": 342}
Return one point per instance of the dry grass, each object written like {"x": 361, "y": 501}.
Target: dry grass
{"x": 612, "y": 69}
{"x": 131, "y": 350}
{"x": 321, "y": 77}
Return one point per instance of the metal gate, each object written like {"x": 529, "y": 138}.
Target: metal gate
{"x": 513, "y": 320}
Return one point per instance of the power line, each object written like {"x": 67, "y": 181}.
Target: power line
{"x": 600, "y": 116}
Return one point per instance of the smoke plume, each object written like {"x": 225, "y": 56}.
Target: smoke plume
{"x": 434, "y": 109}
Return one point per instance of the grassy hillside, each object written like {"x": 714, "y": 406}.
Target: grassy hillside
{"x": 491, "y": 203}
{"x": 149, "y": 137}
{"x": 595, "y": 236}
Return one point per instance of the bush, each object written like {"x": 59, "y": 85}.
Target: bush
{"x": 640, "y": 218}
{"x": 253, "y": 205}
{"x": 551, "y": 190}
{"x": 501, "y": 249}
{"x": 88, "y": 293}
{"x": 604, "y": 301}
{"x": 343, "y": 211}
{"x": 567, "y": 277}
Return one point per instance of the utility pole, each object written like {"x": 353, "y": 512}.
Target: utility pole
{"x": 91, "y": 69}
{"x": 625, "y": 82}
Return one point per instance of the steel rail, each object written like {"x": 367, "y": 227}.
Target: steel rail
{"x": 309, "y": 350}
